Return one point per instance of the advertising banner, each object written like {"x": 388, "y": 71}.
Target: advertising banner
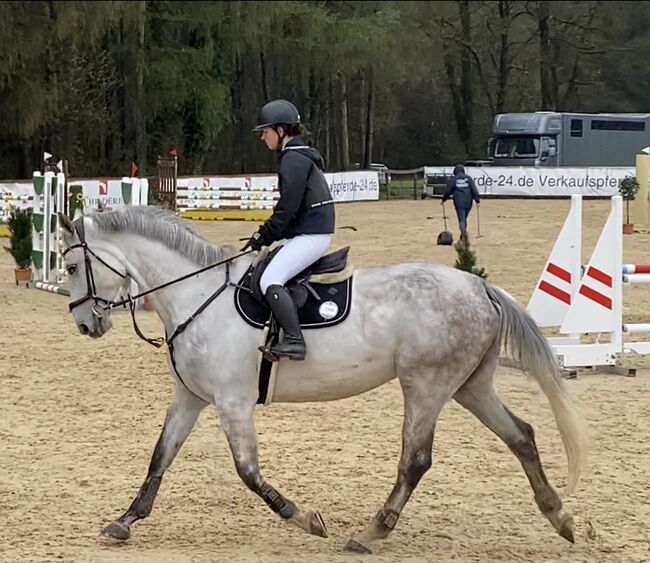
{"x": 354, "y": 186}
{"x": 541, "y": 181}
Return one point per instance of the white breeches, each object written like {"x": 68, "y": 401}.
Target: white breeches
{"x": 293, "y": 257}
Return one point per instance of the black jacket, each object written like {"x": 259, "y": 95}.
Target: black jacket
{"x": 305, "y": 206}
{"x": 463, "y": 190}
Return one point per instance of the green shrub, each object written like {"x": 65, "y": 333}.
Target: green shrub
{"x": 20, "y": 238}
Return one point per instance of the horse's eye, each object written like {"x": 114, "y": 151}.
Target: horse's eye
{"x": 72, "y": 268}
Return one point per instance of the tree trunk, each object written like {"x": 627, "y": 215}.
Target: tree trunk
{"x": 26, "y": 165}
{"x": 546, "y": 56}
{"x": 334, "y": 152}
{"x": 461, "y": 88}
{"x": 505, "y": 14}
{"x": 363, "y": 117}
{"x": 236, "y": 108}
{"x": 139, "y": 105}
{"x": 345, "y": 142}
{"x": 328, "y": 126}
{"x": 265, "y": 85}
{"x": 467, "y": 95}
{"x": 123, "y": 129}
{"x": 52, "y": 144}
{"x": 370, "y": 117}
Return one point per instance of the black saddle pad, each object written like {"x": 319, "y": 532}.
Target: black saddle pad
{"x": 330, "y": 308}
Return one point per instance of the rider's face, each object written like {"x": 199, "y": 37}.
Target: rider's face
{"x": 271, "y": 138}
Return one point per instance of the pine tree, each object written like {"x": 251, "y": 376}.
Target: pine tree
{"x": 466, "y": 259}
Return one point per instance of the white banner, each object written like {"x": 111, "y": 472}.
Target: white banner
{"x": 359, "y": 185}
{"x": 106, "y": 192}
{"x": 541, "y": 181}
{"x": 354, "y": 186}
{"x": 15, "y": 195}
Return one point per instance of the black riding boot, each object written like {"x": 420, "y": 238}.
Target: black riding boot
{"x": 284, "y": 309}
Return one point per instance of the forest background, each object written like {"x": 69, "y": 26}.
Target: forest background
{"x": 105, "y": 84}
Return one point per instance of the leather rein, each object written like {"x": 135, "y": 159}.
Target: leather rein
{"x": 100, "y": 304}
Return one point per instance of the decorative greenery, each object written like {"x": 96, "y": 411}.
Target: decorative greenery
{"x": 628, "y": 187}
{"x": 466, "y": 259}
{"x": 20, "y": 239}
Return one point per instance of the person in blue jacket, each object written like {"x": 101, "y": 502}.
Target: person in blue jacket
{"x": 462, "y": 189}
{"x": 302, "y": 222}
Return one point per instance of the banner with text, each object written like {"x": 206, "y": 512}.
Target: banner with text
{"x": 354, "y": 186}
{"x": 359, "y": 185}
{"x": 541, "y": 181}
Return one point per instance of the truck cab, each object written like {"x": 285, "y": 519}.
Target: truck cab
{"x": 525, "y": 139}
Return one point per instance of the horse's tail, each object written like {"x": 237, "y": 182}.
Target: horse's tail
{"x": 524, "y": 343}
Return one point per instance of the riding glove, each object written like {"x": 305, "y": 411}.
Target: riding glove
{"x": 255, "y": 242}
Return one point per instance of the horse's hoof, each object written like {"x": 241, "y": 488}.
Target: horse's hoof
{"x": 316, "y": 525}
{"x": 117, "y": 531}
{"x": 566, "y": 531}
{"x": 357, "y": 547}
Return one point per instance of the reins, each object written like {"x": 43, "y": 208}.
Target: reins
{"x": 131, "y": 300}
{"x": 102, "y": 304}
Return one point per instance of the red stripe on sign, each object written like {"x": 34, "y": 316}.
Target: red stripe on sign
{"x": 596, "y": 296}
{"x": 555, "y": 292}
{"x": 559, "y": 272}
{"x": 600, "y": 276}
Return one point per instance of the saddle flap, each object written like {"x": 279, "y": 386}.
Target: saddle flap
{"x": 332, "y": 262}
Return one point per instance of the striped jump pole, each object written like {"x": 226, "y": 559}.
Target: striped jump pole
{"x": 636, "y": 268}
{"x": 52, "y": 288}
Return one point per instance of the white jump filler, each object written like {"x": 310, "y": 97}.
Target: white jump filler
{"x": 591, "y": 302}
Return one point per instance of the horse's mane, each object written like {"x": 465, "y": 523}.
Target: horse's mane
{"x": 164, "y": 226}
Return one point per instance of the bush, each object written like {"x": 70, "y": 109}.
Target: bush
{"x": 20, "y": 239}
{"x": 466, "y": 259}
{"x": 628, "y": 187}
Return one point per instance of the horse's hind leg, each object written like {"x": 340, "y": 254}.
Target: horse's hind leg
{"x": 421, "y": 410}
{"x": 179, "y": 421}
{"x": 479, "y": 397}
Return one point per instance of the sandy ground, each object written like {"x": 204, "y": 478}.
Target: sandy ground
{"x": 79, "y": 419}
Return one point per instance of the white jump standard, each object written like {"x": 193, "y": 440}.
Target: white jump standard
{"x": 592, "y": 301}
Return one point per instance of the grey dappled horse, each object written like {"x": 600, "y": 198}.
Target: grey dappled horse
{"x": 437, "y": 329}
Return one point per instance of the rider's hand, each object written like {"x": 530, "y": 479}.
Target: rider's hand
{"x": 255, "y": 242}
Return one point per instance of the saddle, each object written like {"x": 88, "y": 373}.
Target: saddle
{"x": 321, "y": 291}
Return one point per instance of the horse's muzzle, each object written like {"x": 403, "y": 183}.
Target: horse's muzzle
{"x": 97, "y": 328}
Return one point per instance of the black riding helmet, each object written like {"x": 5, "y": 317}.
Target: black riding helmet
{"x": 277, "y": 112}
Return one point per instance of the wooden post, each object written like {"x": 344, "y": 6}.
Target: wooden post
{"x": 640, "y": 207}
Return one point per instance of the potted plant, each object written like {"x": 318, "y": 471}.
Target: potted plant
{"x": 628, "y": 187}
{"x": 20, "y": 243}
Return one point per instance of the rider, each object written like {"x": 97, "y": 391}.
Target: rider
{"x": 302, "y": 221}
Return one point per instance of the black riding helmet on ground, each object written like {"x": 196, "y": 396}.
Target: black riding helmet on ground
{"x": 277, "y": 112}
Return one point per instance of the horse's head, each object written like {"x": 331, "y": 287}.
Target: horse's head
{"x": 95, "y": 277}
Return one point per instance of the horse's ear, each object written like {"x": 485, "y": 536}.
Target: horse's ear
{"x": 65, "y": 222}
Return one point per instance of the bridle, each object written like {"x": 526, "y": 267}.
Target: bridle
{"x": 101, "y": 304}
{"x": 91, "y": 291}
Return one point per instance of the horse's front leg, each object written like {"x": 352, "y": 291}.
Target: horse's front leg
{"x": 237, "y": 422}
{"x": 179, "y": 421}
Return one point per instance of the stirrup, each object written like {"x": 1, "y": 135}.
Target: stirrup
{"x": 292, "y": 356}
{"x": 267, "y": 354}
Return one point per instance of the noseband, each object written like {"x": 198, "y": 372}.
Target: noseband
{"x": 91, "y": 291}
